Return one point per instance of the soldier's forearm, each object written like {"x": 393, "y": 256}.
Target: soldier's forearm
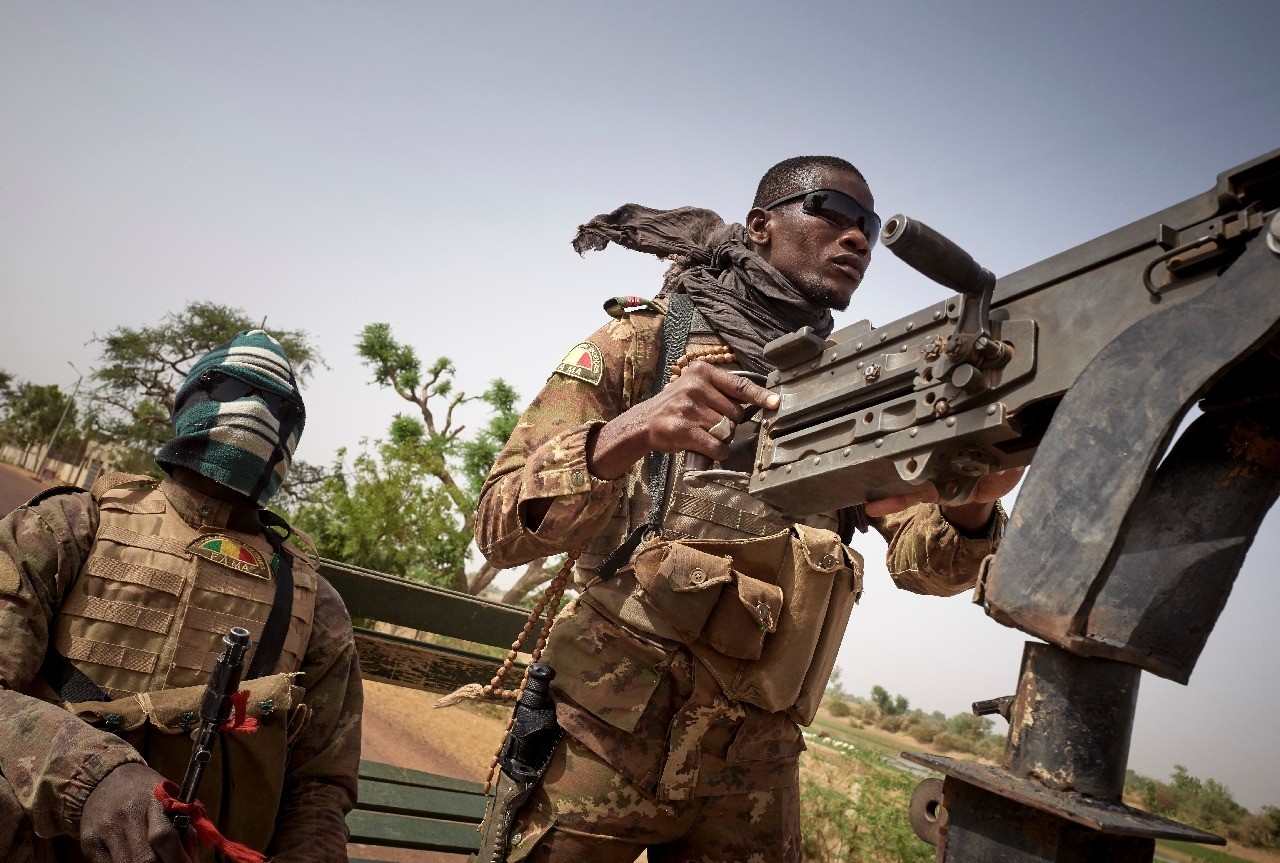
{"x": 53, "y": 759}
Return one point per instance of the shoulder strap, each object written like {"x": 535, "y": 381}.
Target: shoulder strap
{"x": 676, "y": 326}
{"x": 53, "y": 491}
{"x": 116, "y": 479}
{"x": 277, "y": 626}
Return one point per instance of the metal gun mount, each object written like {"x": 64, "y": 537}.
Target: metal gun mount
{"x": 1122, "y": 549}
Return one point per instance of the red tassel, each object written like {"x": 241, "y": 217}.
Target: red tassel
{"x": 167, "y": 793}
{"x": 239, "y": 719}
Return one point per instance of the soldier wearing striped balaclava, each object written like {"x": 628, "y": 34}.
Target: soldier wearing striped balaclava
{"x": 238, "y": 416}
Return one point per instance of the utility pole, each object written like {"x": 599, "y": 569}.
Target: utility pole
{"x": 53, "y": 437}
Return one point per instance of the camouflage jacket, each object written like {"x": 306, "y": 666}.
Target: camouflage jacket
{"x": 643, "y": 687}
{"x": 51, "y": 760}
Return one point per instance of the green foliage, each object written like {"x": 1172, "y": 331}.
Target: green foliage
{"x": 33, "y": 412}
{"x": 407, "y": 504}
{"x": 479, "y": 453}
{"x": 141, "y": 368}
{"x": 839, "y": 707}
{"x": 889, "y": 705}
{"x": 1207, "y": 804}
{"x": 854, "y": 807}
{"x": 383, "y": 512}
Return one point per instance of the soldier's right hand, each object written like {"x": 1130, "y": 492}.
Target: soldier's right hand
{"x": 677, "y": 419}
{"x": 123, "y": 822}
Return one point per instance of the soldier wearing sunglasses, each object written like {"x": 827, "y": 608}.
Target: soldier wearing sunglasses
{"x": 655, "y": 756}
{"x": 113, "y": 604}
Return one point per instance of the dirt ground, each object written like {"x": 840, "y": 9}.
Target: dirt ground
{"x": 17, "y": 486}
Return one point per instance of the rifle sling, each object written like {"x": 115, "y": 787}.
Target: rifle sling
{"x": 676, "y": 326}
{"x": 277, "y": 626}
{"x": 71, "y": 684}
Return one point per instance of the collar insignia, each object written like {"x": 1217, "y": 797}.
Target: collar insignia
{"x": 583, "y": 362}
{"x": 225, "y": 551}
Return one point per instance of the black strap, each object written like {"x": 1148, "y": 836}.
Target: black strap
{"x": 271, "y": 643}
{"x": 676, "y": 325}
{"x": 71, "y": 684}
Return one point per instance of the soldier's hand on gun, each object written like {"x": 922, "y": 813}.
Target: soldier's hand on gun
{"x": 122, "y": 821}
{"x": 693, "y": 414}
{"x": 989, "y": 489}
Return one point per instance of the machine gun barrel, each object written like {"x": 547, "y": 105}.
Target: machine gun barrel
{"x": 215, "y": 709}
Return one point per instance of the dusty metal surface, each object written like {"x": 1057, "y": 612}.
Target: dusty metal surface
{"x": 1087, "y": 812}
{"x": 1094, "y": 468}
{"x": 1071, "y": 722}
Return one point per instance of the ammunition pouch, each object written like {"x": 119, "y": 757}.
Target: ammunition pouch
{"x": 765, "y": 615}
{"x": 159, "y": 726}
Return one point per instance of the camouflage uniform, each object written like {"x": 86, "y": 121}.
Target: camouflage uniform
{"x": 51, "y": 759}
{"x": 656, "y": 754}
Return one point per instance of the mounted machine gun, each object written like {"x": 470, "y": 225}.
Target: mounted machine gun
{"x": 1121, "y": 550}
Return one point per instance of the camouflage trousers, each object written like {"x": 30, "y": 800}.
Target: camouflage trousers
{"x": 585, "y": 811}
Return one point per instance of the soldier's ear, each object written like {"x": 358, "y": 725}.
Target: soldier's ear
{"x": 759, "y": 226}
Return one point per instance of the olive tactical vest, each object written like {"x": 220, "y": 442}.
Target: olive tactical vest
{"x": 144, "y": 621}
{"x": 156, "y": 595}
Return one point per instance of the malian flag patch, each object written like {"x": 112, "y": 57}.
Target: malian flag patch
{"x": 583, "y": 362}
{"x": 225, "y": 551}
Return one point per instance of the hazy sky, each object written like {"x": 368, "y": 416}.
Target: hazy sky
{"x": 328, "y": 165}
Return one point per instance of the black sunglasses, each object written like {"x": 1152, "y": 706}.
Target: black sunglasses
{"x": 224, "y": 388}
{"x": 838, "y": 209}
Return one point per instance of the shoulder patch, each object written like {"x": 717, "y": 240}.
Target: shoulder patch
{"x": 583, "y": 362}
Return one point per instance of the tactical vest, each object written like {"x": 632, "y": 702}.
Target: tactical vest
{"x": 760, "y": 597}
{"x": 144, "y": 621}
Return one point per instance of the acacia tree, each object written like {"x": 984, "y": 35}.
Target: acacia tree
{"x": 32, "y": 413}
{"x": 418, "y": 489}
{"x": 141, "y": 368}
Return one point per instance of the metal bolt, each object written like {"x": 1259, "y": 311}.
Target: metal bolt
{"x": 951, "y": 421}
{"x": 910, "y": 326}
{"x": 940, "y": 407}
{"x": 933, "y": 348}
{"x": 872, "y": 372}
{"x": 913, "y": 432}
{"x": 817, "y": 460}
{"x": 991, "y": 410}
{"x": 879, "y": 442}
{"x": 883, "y": 336}
{"x": 845, "y": 452}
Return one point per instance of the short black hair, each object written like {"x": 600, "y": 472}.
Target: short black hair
{"x": 796, "y": 174}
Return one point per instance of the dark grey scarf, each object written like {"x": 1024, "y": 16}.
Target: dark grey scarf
{"x": 746, "y": 300}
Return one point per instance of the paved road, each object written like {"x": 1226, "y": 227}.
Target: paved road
{"x": 17, "y": 486}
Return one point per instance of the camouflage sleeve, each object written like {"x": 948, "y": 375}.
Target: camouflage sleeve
{"x": 545, "y": 456}
{"x": 928, "y": 554}
{"x": 320, "y": 782}
{"x": 51, "y": 758}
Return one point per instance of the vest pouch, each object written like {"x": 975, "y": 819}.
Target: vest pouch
{"x": 160, "y": 725}
{"x": 743, "y": 617}
{"x": 683, "y": 584}
{"x": 820, "y": 580}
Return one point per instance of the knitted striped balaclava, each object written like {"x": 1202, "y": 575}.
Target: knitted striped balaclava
{"x": 241, "y": 443}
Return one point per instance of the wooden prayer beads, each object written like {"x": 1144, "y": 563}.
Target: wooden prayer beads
{"x": 715, "y": 354}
